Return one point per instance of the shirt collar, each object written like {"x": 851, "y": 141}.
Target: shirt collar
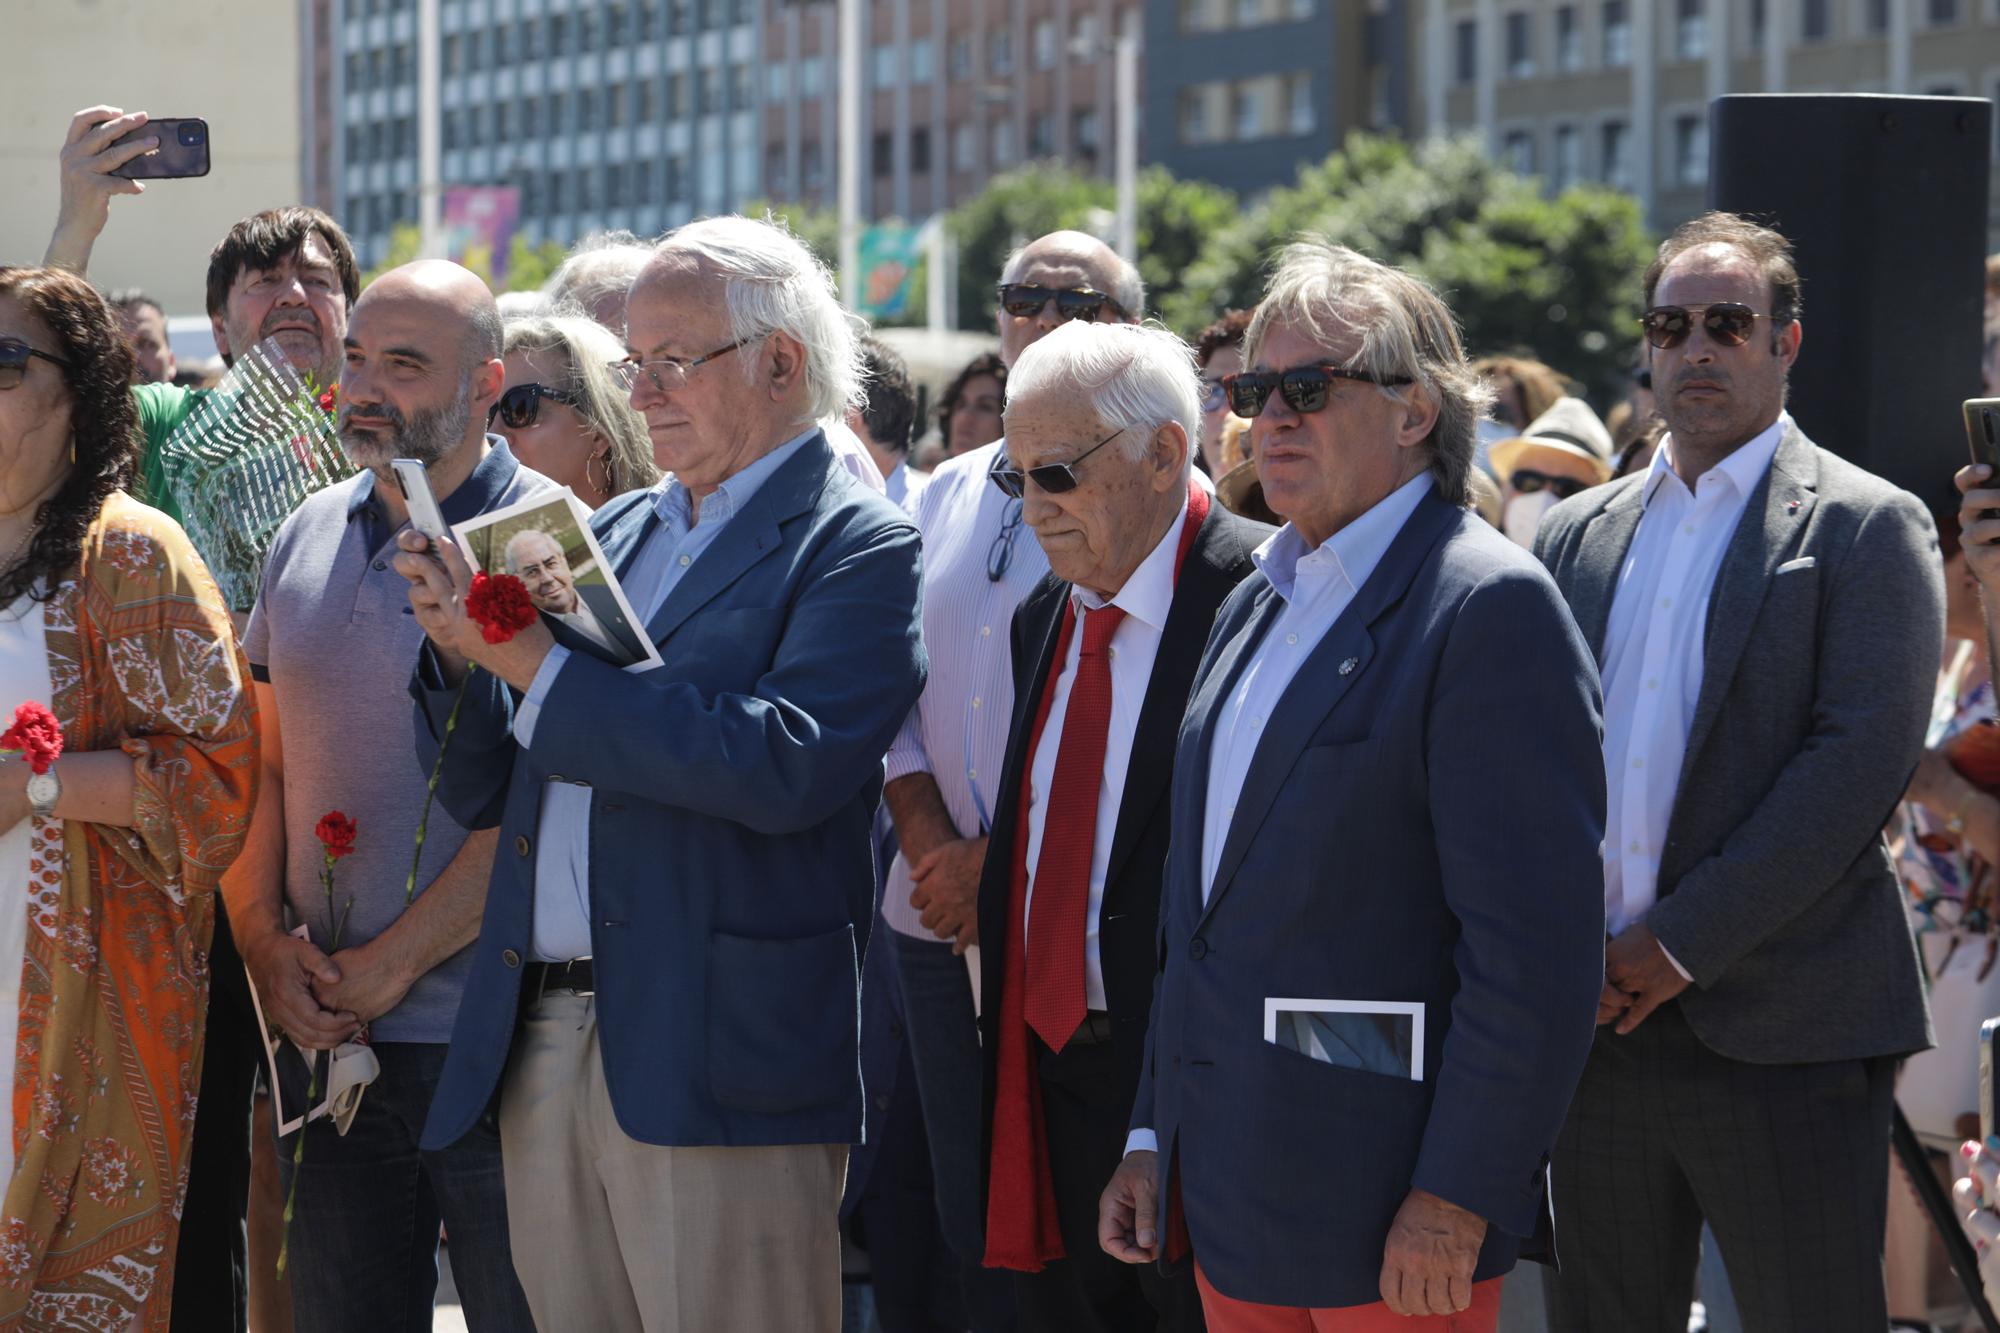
{"x": 1743, "y": 468}
{"x": 1350, "y": 554}
{"x": 474, "y": 496}
{"x": 1148, "y": 595}
{"x": 674, "y": 502}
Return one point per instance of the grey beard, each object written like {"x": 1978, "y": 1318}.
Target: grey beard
{"x": 425, "y": 436}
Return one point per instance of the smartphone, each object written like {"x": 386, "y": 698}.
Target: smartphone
{"x": 1986, "y": 1030}
{"x": 1982, "y": 433}
{"x": 183, "y": 150}
{"x": 415, "y": 484}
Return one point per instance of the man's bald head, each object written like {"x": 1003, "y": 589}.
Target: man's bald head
{"x": 1067, "y": 261}
{"x": 454, "y": 289}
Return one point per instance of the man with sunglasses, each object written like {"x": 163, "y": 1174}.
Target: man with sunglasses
{"x": 1767, "y": 619}
{"x": 1376, "y": 990}
{"x": 1102, "y": 423}
{"x": 1564, "y": 452}
{"x": 944, "y": 769}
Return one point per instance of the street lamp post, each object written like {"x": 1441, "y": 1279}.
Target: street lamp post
{"x": 850, "y": 152}
{"x": 1125, "y": 156}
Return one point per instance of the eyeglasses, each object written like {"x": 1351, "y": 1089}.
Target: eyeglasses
{"x": 1053, "y": 478}
{"x": 1000, "y": 555}
{"x": 519, "y": 406}
{"x": 1214, "y": 393}
{"x": 1024, "y": 300}
{"x": 14, "y": 356}
{"x": 1307, "y": 389}
{"x": 1728, "y": 322}
{"x": 1526, "y": 481}
{"x": 667, "y": 373}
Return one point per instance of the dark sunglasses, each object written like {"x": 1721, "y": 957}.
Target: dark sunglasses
{"x": 1729, "y": 323}
{"x": 519, "y": 406}
{"x": 1053, "y": 478}
{"x": 1024, "y": 300}
{"x": 1527, "y": 481}
{"x": 1214, "y": 393}
{"x": 14, "y": 356}
{"x": 1000, "y": 555}
{"x": 1307, "y": 389}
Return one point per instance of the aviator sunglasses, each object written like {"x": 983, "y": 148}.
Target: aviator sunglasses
{"x": 14, "y": 356}
{"x": 1307, "y": 389}
{"x": 519, "y": 406}
{"x": 1023, "y": 300}
{"x": 1728, "y": 322}
{"x": 1053, "y": 478}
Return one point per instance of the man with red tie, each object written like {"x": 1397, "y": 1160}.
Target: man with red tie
{"x": 1100, "y": 420}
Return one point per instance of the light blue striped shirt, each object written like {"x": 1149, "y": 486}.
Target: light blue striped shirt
{"x": 562, "y": 853}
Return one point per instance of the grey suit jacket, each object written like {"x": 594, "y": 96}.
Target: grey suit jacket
{"x": 1776, "y": 889}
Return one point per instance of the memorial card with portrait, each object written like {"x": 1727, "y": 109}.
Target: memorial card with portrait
{"x": 546, "y": 542}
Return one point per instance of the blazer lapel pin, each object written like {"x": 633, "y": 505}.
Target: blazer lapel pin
{"x": 1791, "y": 506}
{"x": 1347, "y": 667}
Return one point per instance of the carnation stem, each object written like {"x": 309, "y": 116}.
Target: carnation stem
{"x": 430, "y": 790}
{"x": 298, "y": 1156}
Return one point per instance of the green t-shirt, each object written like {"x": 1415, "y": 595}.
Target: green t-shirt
{"x": 162, "y": 409}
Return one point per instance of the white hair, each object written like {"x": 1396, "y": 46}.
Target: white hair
{"x": 1136, "y": 377}
{"x": 773, "y": 284}
{"x": 1128, "y": 289}
{"x": 599, "y": 267}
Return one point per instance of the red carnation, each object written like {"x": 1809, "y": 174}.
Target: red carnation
{"x": 500, "y": 603}
{"x": 330, "y": 398}
{"x": 336, "y": 833}
{"x": 35, "y": 734}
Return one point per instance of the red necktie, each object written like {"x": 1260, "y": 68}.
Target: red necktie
{"x": 1054, "y": 998}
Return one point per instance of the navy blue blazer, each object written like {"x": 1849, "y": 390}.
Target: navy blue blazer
{"x": 731, "y": 864}
{"x": 1419, "y": 823}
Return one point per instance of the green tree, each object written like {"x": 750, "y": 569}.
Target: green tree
{"x": 1177, "y": 221}
{"x": 529, "y": 266}
{"x": 1555, "y": 277}
{"x": 406, "y": 242}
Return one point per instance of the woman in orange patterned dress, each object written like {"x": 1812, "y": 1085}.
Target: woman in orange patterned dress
{"x": 108, "y": 875}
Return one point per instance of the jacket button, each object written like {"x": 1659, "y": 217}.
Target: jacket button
{"x": 1197, "y": 948}
{"x": 521, "y": 844}
{"x": 510, "y": 958}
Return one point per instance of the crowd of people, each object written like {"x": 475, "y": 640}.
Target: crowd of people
{"x": 1266, "y": 834}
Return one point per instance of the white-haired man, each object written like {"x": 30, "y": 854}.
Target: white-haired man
{"x": 596, "y": 276}
{"x": 1367, "y": 1024}
{"x": 1101, "y": 423}
{"x": 686, "y": 876}
{"x": 943, "y": 772}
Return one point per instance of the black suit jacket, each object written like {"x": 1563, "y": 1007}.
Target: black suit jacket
{"x": 1128, "y": 923}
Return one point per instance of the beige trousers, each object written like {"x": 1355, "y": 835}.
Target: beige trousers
{"x": 613, "y": 1235}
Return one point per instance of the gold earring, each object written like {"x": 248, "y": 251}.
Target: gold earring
{"x": 72, "y": 451}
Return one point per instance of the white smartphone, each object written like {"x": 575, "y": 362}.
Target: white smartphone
{"x": 415, "y": 484}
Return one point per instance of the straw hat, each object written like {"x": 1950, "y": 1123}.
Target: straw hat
{"x": 1569, "y": 428}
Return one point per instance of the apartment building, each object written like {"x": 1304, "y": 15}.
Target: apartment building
{"x": 1617, "y": 91}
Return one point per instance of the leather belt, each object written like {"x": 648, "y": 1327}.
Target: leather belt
{"x": 1094, "y": 1030}
{"x": 575, "y": 976}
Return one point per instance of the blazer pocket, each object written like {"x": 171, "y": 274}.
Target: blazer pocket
{"x": 780, "y": 1040}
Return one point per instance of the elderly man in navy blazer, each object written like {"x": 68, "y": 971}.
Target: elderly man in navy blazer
{"x": 665, "y": 992}
{"x": 1382, "y": 935}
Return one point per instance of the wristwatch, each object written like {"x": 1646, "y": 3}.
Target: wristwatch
{"x": 44, "y": 790}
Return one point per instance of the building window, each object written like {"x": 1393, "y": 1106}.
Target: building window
{"x": 1617, "y": 34}
{"x": 680, "y": 19}
{"x": 1877, "y": 14}
{"x": 586, "y": 108}
{"x": 1083, "y": 38}
{"x": 1691, "y": 150}
{"x": 1041, "y": 135}
{"x": 614, "y": 106}
{"x": 1083, "y": 134}
{"x": 922, "y": 69}
{"x": 1003, "y": 144}
{"x": 812, "y": 76}
{"x": 1690, "y": 29}
{"x": 649, "y": 102}
{"x": 1567, "y": 168}
{"x": 1520, "y": 48}
{"x": 920, "y": 151}
{"x": 708, "y": 91}
{"x": 882, "y": 67}
{"x": 812, "y": 167}
{"x": 961, "y": 57}
{"x": 884, "y": 157}
{"x": 503, "y": 122}
{"x": 558, "y": 192}
{"x": 1301, "y": 116}
{"x": 1466, "y": 44}
{"x": 454, "y": 54}
{"x": 1045, "y": 43}
{"x": 1002, "y": 47}
{"x": 679, "y": 106}
{"x": 1616, "y": 142}
{"x": 614, "y": 186}
{"x": 531, "y": 115}
{"x": 1203, "y": 15}
{"x": 1569, "y": 40}
{"x": 586, "y": 190}
{"x": 1756, "y": 21}
{"x": 742, "y": 88}
{"x": 587, "y": 35}
{"x": 742, "y": 11}
{"x": 1815, "y": 20}
{"x": 1942, "y": 13}
{"x": 1257, "y": 113}
{"x": 964, "y": 146}
{"x": 776, "y": 81}
{"x": 1197, "y": 124}
{"x": 1301, "y": 9}
{"x": 1517, "y": 152}
{"x": 645, "y": 184}
{"x": 475, "y": 126}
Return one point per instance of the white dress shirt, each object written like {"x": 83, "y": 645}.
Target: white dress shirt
{"x": 1654, "y": 643}
{"x": 1146, "y": 598}
{"x": 957, "y": 733}
{"x": 904, "y": 484}
{"x": 1316, "y": 584}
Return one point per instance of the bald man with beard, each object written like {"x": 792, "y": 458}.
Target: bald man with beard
{"x": 331, "y": 646}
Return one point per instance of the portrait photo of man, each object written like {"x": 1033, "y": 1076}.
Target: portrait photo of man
{"x": 547, "y": 546}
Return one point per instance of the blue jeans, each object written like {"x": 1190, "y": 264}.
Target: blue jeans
{"x": 943, "y": 1038}
{"x": 364, "y": 1234}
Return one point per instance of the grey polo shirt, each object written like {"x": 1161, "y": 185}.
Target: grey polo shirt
{"x": 333, "y": 635}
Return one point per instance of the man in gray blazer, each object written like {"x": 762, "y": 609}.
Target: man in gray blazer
{"x": 1766, "y": 618}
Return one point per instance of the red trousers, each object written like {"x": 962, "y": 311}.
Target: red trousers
{"x": 1226, "y": 1315}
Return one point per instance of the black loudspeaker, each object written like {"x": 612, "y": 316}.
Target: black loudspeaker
{"x": 1885, "y": 202}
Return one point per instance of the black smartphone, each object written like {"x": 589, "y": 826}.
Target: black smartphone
{"x": 1982, "y": 433}
{"x": 183, "y": 150}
